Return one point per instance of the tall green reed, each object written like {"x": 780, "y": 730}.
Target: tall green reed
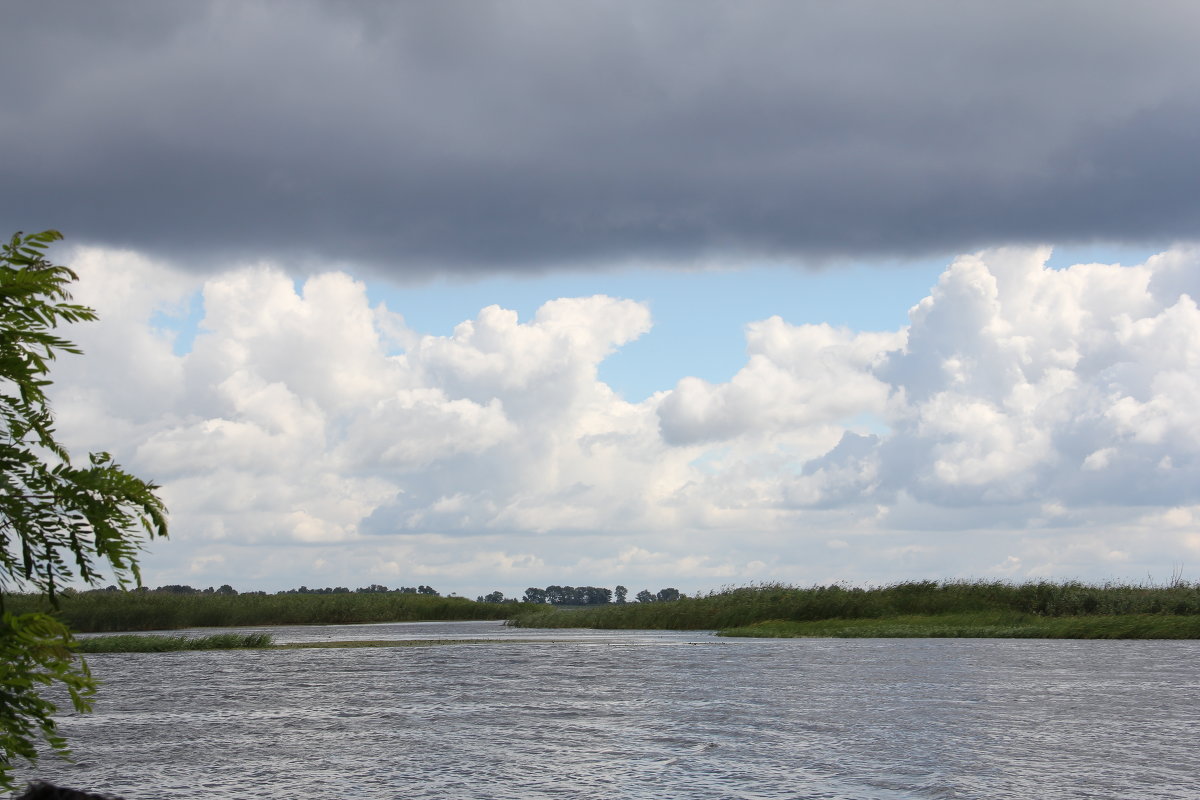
{"x": 734, "y": 607}
{"x": 100, "y": 611}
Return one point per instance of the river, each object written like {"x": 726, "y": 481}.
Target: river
{"x": 635, "y": 714}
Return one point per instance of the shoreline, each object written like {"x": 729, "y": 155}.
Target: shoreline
{"x": 1130, "y": 627}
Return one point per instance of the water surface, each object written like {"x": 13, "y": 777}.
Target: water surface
{"x": 642, "y": 714}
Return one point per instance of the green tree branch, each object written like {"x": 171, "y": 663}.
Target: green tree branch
{"x": 58, "y": 522}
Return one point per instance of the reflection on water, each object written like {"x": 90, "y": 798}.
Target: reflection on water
{"x": 612, "y": 714}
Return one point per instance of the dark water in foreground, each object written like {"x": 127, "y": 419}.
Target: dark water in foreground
{"x": 586, "y": 714}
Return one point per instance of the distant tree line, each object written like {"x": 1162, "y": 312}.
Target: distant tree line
{"x": 569, "y": 595}
{"x": 374, "y": 588}
{"x": 551, "y": 595}
{"x": 661, "y": 596}
{"x": 581, "y": 596}
{"x": 177, "y": 588}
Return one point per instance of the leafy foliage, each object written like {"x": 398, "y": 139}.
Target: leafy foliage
{"x": 58, "y": 521}
{"x": 35, "y": 652}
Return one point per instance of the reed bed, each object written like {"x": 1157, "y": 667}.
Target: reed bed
{"x": 103, "y": 611}
{"x": 984, "y": 626}
{"x": 740, "y": 607}
{"x": 134, "y": 643}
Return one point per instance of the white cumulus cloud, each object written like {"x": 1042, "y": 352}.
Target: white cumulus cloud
{"x": 1027, "y": 421}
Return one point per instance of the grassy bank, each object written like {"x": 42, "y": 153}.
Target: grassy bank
{"x": 102, "y": 611}
{"x": 958, "y": 608}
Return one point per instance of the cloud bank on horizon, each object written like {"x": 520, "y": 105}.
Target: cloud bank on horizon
{"x": 473, "y": 137}
{"x": 1028, "y": 422}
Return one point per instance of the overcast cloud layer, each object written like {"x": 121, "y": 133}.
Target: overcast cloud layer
{"x": 1028, "y": 422}
{"x": 526, "y": 135}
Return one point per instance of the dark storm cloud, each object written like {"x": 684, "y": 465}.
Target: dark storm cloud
{"x": 524, "y": 135}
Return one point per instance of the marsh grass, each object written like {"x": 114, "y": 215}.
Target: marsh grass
{"x": 397, "y": 643}
{"x": 982, "y": 626}
{"x": 102, "y": 611}
{"x": 954, "y": 608}
{"x": 135, "y": 643}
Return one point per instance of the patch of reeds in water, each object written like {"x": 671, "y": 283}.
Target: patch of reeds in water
{"x": 135, "y": 643}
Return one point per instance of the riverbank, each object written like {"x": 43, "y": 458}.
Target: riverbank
{"x": 911, "y": 609}
{"x": 106, "y": 611}
{"x": 980, "y": 625}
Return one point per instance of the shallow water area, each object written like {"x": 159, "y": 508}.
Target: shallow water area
{"x": 641, "y": 714}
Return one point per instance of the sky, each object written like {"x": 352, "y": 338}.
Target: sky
{"x": 495, "y": 295}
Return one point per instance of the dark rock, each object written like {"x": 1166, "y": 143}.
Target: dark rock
{"x": 45, "y": 791}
